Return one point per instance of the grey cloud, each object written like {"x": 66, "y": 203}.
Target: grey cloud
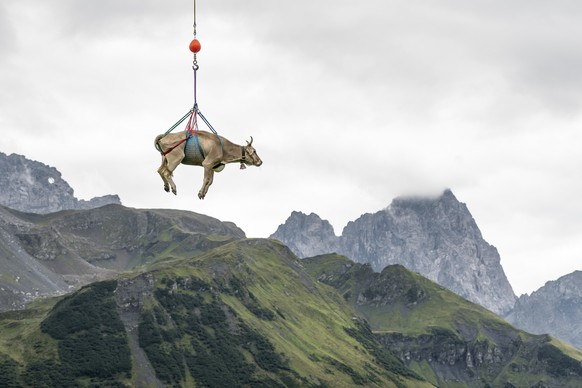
{"x": 437, "y": 49}
{"x": 6, "y": 33}
{"x": 353, "y": 103}
{"x": 94, "y": 19}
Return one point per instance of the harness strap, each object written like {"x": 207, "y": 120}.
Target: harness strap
{"x": 209, "y": 126}
{"x": 188, "y": 136}
{"x": 192, "y": 128}
{"x": 189, "y": 114}
{"x": 197, "y": 141}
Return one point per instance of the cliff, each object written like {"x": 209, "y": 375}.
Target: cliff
{"x": 555, "y": 308}
{"x": 307, "y": 235}
{"x": 436, "y": 237}
{"x": 55, "y": 253}
{"x": 34, "y": 187}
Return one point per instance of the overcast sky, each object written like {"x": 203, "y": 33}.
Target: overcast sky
{"x": 350, "y": 104}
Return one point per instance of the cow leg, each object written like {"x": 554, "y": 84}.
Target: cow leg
{"x": 161, "y": 171}
{"x": 173, "y": 159}
{"x": 212, "y": 159}
{"x": 208, "y": 179}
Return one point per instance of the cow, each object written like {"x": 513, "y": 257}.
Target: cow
{"x": 201, "y": 148}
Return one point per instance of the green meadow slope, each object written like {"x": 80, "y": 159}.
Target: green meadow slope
{"x": 448, "y": 340}
{"x": 243, "y": 314}
{"x": 249, "y": 313}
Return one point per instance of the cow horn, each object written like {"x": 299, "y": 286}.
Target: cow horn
{"x": 251, "y": 143}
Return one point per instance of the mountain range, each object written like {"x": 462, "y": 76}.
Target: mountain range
{"x": 436, "y": 237}
{"x": 251, "y": 313}
{"x": 51, "y": 254}
{"x": 119, "y": 297}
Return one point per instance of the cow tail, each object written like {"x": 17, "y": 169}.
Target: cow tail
{"x": 157, "y": 143}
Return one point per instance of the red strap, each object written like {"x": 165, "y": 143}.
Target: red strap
{"x": 192, "y": 126}
{"x": 188, "y": 136}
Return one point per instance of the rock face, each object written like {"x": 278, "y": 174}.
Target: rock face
{"x": 436, "y": 237}
{"x": 307, "y": 235}
{"x": 33, "y": 187}
{"x": 42, "y": 255}
{"x": 556, "y": 308}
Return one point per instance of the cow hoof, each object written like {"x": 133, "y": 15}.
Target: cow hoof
{"x": 167, "y": 189}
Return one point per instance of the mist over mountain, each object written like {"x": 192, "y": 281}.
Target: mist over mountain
{"x": 33, "y": 187}
{"x": 555, "y": 308}
{"x": 436, "y": 237}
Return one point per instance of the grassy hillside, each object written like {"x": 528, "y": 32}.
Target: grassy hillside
{"x": 445, "y": 338}
{"x": 258, "y": 288}
{"x": 243, "y": 314}
{"x": 403, "y": 301}
{"x": 78, "y": 340}
{"x": 249, "y": 313}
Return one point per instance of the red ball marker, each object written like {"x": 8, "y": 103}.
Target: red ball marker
{"x": 195, "y": 46}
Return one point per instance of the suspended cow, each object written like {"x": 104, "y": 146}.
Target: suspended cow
{"x": 201, "y": 148}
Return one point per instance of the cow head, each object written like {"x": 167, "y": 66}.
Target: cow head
{"x": 250, "y": 156}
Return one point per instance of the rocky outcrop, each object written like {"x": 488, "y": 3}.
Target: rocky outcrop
{"x": 307, "y": 235}
{"x": 42, "y": 255}
{"x": 34, "y": 187}
{"x": 484, "y": 363}
{"x": 452, "y": 341}
{"x": 453, "y": 358}
{"x": 436, "y": 237}
{"x": 556, "y": 308}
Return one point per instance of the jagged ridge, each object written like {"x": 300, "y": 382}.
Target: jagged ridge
{"x": 50, "y": 254}
{"x": 33, "y": 187}
{"x": 436, "y": 237}
{"x": 555, "y": 308}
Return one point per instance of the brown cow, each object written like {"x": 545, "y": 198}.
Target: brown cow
{"x": 202, "y": 149}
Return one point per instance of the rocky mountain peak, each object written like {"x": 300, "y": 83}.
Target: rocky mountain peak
{"x": 552, "y": 309}
{"x": 569, "y": 286}
{"x": 307, "y": 235}
{"x": 434, "y": 236}
{"x": 446, "y": 198}
{"x": 439, "y": 214}
{"x": 33, "y": 187}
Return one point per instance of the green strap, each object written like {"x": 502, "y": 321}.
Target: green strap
{"x": 178, "y": 122}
